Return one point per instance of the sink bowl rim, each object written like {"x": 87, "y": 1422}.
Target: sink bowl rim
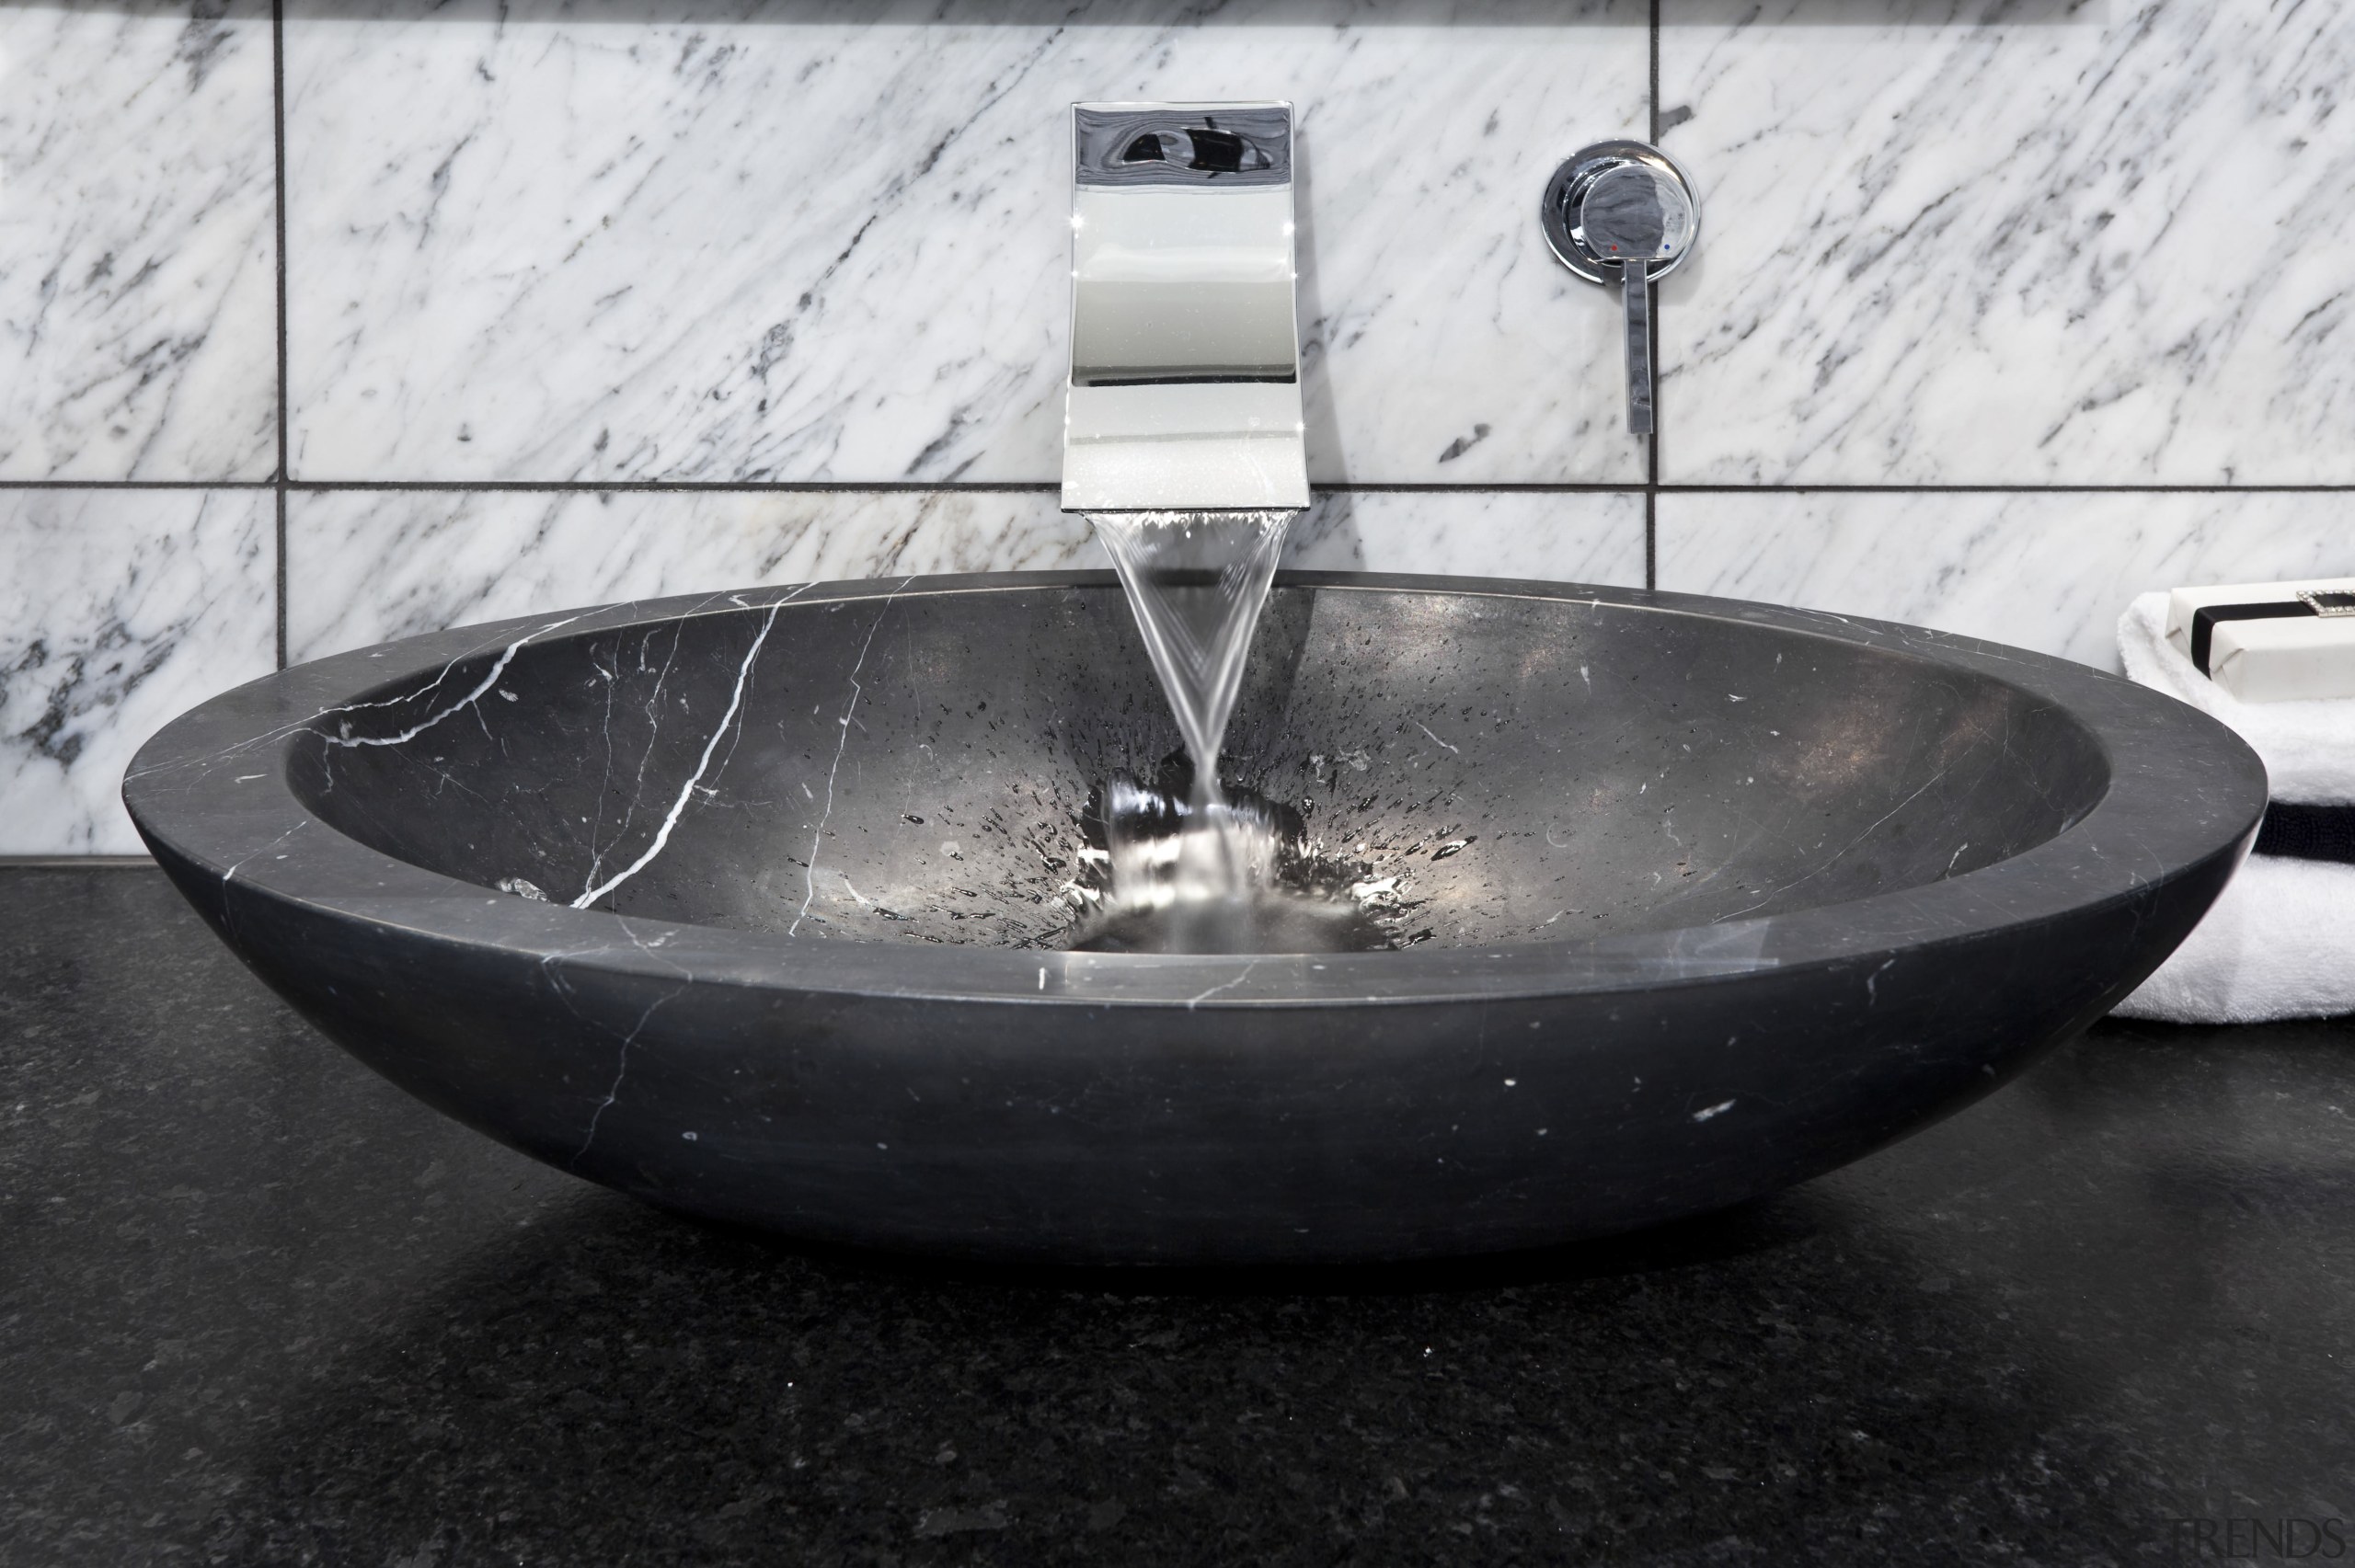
{"x": 210, "y": 795}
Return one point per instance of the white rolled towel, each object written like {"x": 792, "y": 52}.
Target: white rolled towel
{"x": 2281, "y": 942}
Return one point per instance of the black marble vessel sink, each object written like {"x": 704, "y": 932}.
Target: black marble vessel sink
{"x": 749, "y": 905}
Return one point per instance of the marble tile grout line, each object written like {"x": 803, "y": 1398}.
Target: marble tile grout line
{"x": 138, "y": 484}
{"x": 278, "y": 136}
{"x": 1048, "y": 486}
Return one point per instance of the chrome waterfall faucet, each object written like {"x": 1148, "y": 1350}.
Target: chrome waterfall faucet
{"x": 1185, "y": 347}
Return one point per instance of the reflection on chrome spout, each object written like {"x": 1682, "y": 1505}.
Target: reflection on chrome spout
{"x": 1185, "y": 353}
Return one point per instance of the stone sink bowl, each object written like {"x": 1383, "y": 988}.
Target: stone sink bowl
{"x": 748, "y": 905}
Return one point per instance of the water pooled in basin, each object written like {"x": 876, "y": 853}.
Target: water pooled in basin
{"x": 1238, "y": 875}
{"x": 1189, "y": 870}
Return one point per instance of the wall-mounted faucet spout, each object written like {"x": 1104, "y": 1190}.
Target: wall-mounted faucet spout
{"x": 1185, "y": 355}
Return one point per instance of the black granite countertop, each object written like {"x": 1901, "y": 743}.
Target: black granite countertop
{"x": 258, "y": 1307}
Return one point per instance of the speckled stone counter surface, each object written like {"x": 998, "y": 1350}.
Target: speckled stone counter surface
{"x": 258, "y": 1307}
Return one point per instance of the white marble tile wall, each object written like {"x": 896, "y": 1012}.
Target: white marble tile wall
{"x": 138, "y": 271}
{"x": 1550, "y": 537}
{"x": 366, "y": 565}
{"x": 829, "y": 239}
{"x": 118, "y": 610}
{"x": 2050, "y": 570}
{"x": 631, "y": 243}
{"x": 2091, "y": 242}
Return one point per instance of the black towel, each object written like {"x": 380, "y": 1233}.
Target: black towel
{"x": 2308, "y": 833}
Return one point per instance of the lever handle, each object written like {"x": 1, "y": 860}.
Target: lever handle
{"x": 1636, "y": 285}
{"x": 1621, "y": 213}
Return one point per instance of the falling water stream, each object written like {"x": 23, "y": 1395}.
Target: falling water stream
{"x": 1196, "y": 581}
{"x": 1192, "y": 870}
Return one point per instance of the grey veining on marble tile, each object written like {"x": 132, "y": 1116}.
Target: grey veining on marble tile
{"x": 820, "y": 241}
{"x": 366, "y": 565}
{"x": 2047, "y": 571}
{"x": 1575, "y": 536}
{"x": 2088, "y": 244}
{"x": 137, "y": 280}
{"x": 118, "y": 610}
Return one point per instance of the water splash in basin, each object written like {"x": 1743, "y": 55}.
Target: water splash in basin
{"x": 1201, "y": 873}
